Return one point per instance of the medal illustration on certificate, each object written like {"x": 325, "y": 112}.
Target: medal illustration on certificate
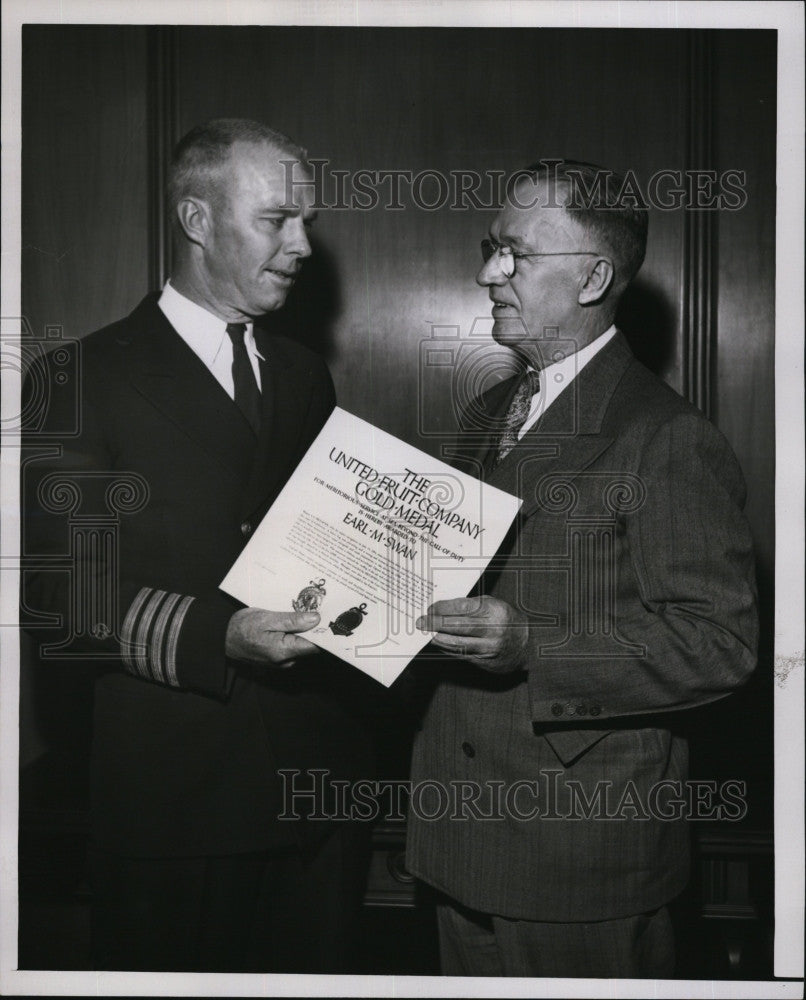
{"x": 373, "y": 531}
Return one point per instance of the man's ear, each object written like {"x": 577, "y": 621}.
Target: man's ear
{"x": 195, "y": 219}
{"x": 598, "y": 282}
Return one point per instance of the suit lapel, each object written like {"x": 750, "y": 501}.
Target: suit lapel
{"x": 170, "y": 375}
{"x": 568, "y": 437}
{"x": 474, "y": 450}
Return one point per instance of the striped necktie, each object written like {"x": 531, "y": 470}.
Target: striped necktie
{"x": 247, "y": 394}
{"x": 517, "y": 413}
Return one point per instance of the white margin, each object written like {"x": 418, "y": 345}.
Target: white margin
{"x": 788, "y": 17}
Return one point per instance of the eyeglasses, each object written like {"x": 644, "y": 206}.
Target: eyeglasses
{"x": 507, "y": 256}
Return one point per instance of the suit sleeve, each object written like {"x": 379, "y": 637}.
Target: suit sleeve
{"x": 685, "y": 595}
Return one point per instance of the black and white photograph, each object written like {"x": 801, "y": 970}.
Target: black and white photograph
{"x": 402, "y": 499}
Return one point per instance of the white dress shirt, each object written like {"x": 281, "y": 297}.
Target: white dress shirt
{"x": 206, "y": 335}
{"x": 556, "y": 377}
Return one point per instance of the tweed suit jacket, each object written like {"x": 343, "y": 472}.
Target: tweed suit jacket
{"x": 186, "y": 744}
{"x": 633, "y": 562}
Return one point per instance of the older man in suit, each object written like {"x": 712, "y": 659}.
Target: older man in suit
{"x": 624, "y": 595}
{"x": 193, "y": 403}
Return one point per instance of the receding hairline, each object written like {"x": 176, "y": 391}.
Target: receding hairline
{"x": 212, "y": 180}
{"x": 204, "y": 156}
{"x": 281, "y": 154}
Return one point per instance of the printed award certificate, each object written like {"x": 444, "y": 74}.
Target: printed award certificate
{"x": 369, "y": 531}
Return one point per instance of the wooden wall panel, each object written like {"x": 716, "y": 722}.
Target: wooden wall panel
{"x": 443, "y": 99}
{"x": 101, "y": 106}
{"x": 744, "y": 371}
{"x": 84, "y": 126}
{"x": 84, "y": 263}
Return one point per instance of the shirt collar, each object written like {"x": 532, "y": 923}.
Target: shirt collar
{"x": 198, "y": 327}
{"x": 556, "y": 377}
{"x": 571, "y": 365}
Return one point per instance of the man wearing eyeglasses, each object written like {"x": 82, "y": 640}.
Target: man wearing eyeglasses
{"x": 624, "y": 595}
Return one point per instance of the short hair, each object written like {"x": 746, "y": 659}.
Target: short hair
{"x": 199, "y": 156}
{"x": 604, "y": 204}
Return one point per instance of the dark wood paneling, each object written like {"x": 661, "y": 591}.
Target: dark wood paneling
{"x": 102, "y": 105}
{"x": 699, "y": 269}
{"x": 84, "y": 219}
{"x": 85, "y": 246}
{"x": 444, "y": 99}
{"x": 745, "y": 134}
{"x": 384, "y": 282}
{"x": 745, "y": 364}
{"x": 162, "y": 95}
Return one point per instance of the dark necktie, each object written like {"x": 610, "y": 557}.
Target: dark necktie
{"x": 247, "y": 394}
{"x": 517, "y": 413}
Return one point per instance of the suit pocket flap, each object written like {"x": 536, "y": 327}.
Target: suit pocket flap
{"x": 570, "y": 744}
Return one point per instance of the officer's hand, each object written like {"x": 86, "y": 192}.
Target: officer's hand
{"x": 268, "y": 637}
{"x": 483, "y": 630}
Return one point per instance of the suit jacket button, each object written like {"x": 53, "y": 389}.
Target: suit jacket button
{"x": 596, "y": 710}
{"x": 246, "y": 528}
{"x": 581, "y": 710}
{"x": 468, "y": 749}
{"x": 557, "y": 709}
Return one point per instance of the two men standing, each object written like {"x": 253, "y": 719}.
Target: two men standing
{"x": 623, "y": 596}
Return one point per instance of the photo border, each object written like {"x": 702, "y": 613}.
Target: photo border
{"x": 788, "y": 19}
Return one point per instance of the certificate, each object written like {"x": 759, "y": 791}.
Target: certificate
{"x": 368, "y": 532}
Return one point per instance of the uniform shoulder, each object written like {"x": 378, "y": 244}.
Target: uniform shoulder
{"x": 288, "y": 350}
{"x": 109, "y": 340}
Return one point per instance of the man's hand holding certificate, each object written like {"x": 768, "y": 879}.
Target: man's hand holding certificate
{"x": 483, "y": 630}
{"x": 369, "y": 532}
